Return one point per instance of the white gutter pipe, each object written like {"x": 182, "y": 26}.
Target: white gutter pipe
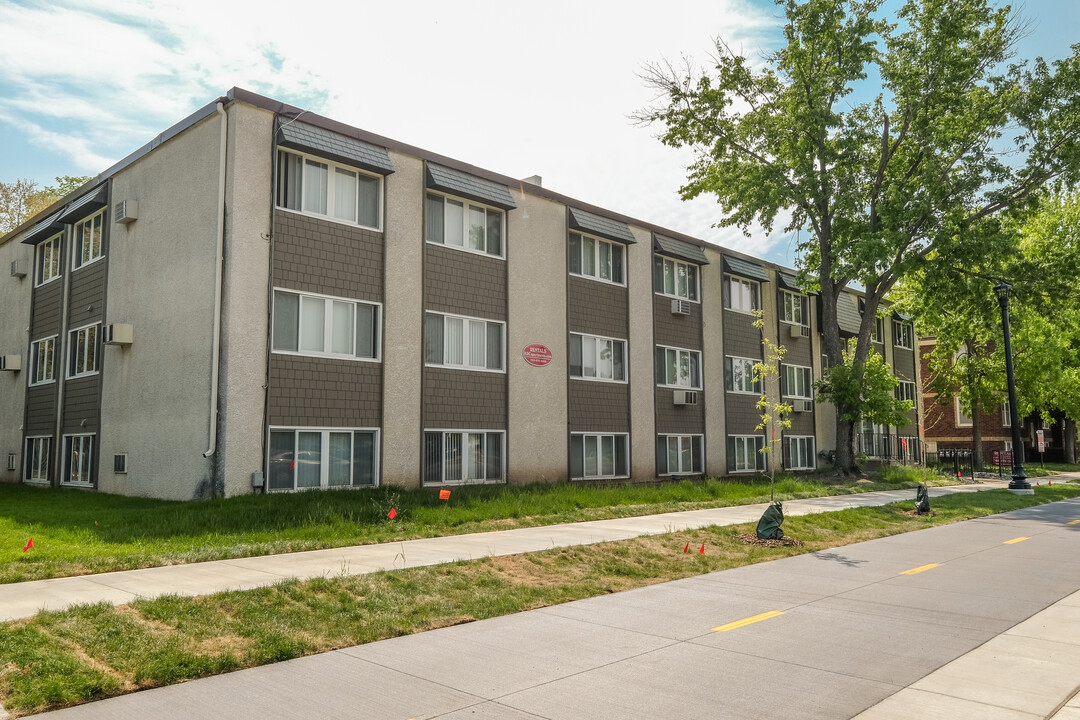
{"x": 219, "y": 261}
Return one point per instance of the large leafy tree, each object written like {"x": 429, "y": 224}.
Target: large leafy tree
{"x": 878, "y": 184}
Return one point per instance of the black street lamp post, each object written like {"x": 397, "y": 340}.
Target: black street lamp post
{"x": 1019, "y": 483}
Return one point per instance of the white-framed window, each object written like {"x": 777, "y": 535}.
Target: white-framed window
{"x": 739, "y": 375}
{"x": 902, "y": 334}
{"x": 675, "y": 278}
{"x": 43, "y": 360}
{"x": 308, "y": 324}
{"x": 597, "y": 358}
{"x": 312, "y": 457}
{"x": 1006, "y": 415}
{"x": 962, "y": 419}
{"x": 676, "y": 367}
{"x": 36, "y": 465}
{"x": 877, "y": 332}
{"x": 83, "y": 351}
{"x": 464, "y": 457}
{"x": 78, "y": 460}
{"x": 799, "y": 452}
{"x": 741, "y": 295}
{"x": 906, "y": 391}
{"x": 87, "y": 246}
{"x": 796, "y": 381}
{"x": 467, "y": 343}
{"x": 595, "y": 456}
{"x": 315, "y": 186}
{"x": 47, "y": 260}
{"x": 680, "y": 454}
{"x": 463, "y": 224}
{"x": 744, "y": 453}
{"x": 793, "y": 308}
{"x": 594, "y": 258}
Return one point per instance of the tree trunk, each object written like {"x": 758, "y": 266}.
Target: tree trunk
{"x": 845, "y": 446}
{"x": 1070, "y": 441}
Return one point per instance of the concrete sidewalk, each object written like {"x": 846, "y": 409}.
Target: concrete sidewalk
{"x": 19, "y": 600}
{"x": 977, "y": 620}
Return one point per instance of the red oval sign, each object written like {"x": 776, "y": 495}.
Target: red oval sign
{"x": 537, "y": 355}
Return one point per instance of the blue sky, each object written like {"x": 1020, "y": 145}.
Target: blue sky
{"x": 519, "y": 88}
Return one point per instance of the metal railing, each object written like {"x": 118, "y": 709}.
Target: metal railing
{"x": 889, "y": 446}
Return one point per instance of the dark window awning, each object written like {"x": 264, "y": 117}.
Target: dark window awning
{"x": 902, "y": 317}
{"x": 735, "y": 266}
{"x": 333, "y": 146}
{"x": 788, "y": 281}
{"x": 587, "y": 222}
{"x": 679, "y": 249}
{"x": 44, "y": 229}
{"x": 469, "y": 186}
{"x": 848, "y": 316}
{"x": 88, "y": 204}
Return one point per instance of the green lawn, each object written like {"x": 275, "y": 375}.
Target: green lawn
{"x": 95, "y": 651}
{"x": 77, "y": 532}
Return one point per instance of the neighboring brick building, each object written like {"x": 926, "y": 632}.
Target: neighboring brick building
{"x": 947, "y": 427}
{"x": 264, "y": 293}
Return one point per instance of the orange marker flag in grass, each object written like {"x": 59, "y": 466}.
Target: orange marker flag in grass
{"x": 29, "y": 545}
{"x": 702, "y": 551}
{"x": 392, "y": 514}
{"x": 687, "y": 548}
{"x": 444, "y": 494}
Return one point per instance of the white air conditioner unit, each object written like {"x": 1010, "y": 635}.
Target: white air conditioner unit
{"x": 126, "y": 211}
{"x": 119, "y": 463}
{"x": 803, "y": 405}
{"x": 11, "y": 362}
{"x": 117, "y": 334}
{"x": 686, "y": 397}
{"x": 18, "y": 269}
{"x": 799, "y": 331}
{"x": 680, "y": 307}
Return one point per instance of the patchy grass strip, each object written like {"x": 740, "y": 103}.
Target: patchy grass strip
{"x": 76, "y": 533}
{"x": 90, "y": 652}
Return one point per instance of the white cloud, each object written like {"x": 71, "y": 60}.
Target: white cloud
{"x": 517, "y": 88}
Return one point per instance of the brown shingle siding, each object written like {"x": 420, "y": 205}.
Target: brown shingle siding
{"x": 464, "y": 283}
{"x": 597, "y": 308}
{"x": 682, "y": 331}
{"x": 599, "y": 406}
{"x": 464, "y": 399}
{"x": 320, "y": 392}
{"x": 319, "y": 256}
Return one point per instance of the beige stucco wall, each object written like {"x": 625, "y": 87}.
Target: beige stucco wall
{"x": 536, "y": 298}
{"x": 245, "y": 301}
{"x": 642, "y": 396}
{"x": 712, "y": 309}
{"x": 15, "y": 296}
{"x": 403, "y": 322}
{"x": 156, "y": 393}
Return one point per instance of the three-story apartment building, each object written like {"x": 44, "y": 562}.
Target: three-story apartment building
{"x": 263, "y": 297}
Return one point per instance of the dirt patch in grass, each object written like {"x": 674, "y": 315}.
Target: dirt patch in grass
{"x": 753, "y": 539}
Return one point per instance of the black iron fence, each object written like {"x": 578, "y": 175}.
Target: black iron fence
{"x": 891, "y": 447}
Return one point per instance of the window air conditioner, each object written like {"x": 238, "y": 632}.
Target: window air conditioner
{"x": 804, "y": 405}
{"x": 799, "y": 331}
{"x": 18, "y": 269}
{"x": 119, "y": 463}
{"x": 11, "y": 362}
{"x": 126, "y": 211}
{"x": 117, "y": 334}
{"x": 686, "y": 397}
{"x": 680, "y": 307}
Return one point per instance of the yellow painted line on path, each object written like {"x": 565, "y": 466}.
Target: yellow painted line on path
{"x": 912, "y": 571}
{"x": 747, "y": 621}
{"x": 1074, "y": 522}
{"x": 1014, "y": 540}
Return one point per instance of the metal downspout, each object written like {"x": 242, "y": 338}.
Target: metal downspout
{"x": 219, "y": 262}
